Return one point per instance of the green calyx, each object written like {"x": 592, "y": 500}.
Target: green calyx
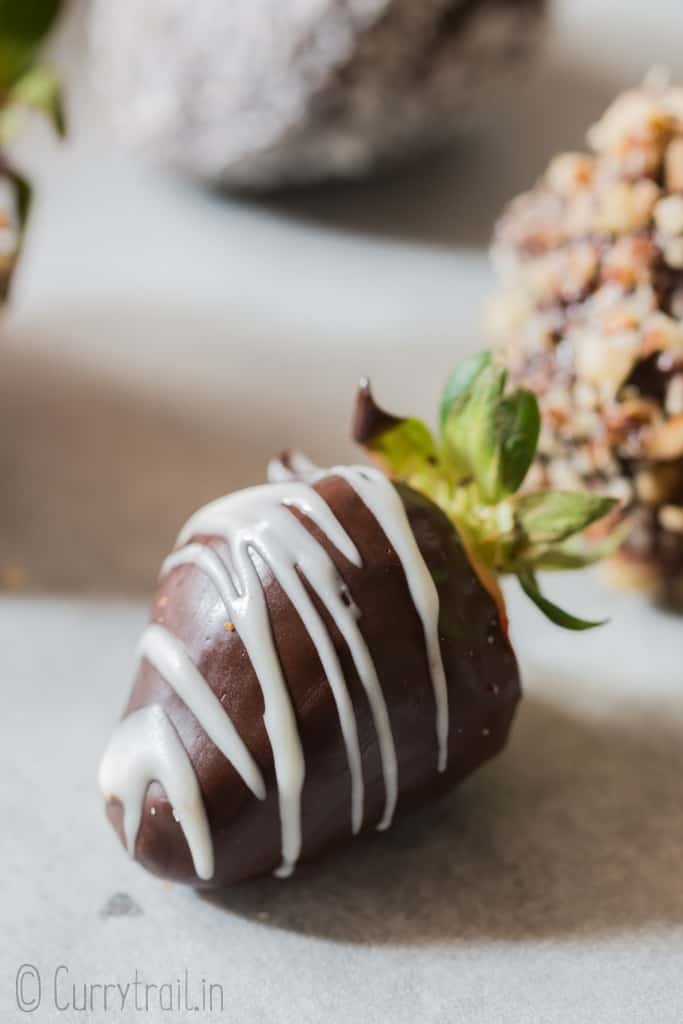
{"x": 38, "y": 90}
{"x": 26, "y": 86}
{"x": 473, "y": 471}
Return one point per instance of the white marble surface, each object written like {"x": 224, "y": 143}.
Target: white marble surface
{"x": 161, "y": 344}
{"x": 547, "y": 889}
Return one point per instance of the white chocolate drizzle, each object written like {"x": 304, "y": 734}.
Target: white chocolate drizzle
{"x": 167, "y": 654}
{"x": 384, "y": 501}
{"x": 145, "y": 748}
{"x": 264, "y": 536}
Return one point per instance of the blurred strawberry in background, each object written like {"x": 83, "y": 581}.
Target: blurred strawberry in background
{"x": 264, "y": 94}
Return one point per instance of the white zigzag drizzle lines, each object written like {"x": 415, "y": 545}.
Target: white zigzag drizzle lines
{"x": 258, "y": 526}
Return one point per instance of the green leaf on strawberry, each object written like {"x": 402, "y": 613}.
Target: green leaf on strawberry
{"x": 473, "y": 472}
{"x": 548, "y": 517}
{"x": 37, "y": 91}
{"x": 24, "y": 24}
{"x": 26, "y": 86}
{"x": 557, "y": 615}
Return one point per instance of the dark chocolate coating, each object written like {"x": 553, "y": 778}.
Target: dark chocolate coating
{"x": 481, "y": 671}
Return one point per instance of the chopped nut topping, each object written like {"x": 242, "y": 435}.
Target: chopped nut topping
{"x": 657, "y": 483}
{"x": 570, "y": 172}
{"x": 671, "y": 518}
{"x": 669, "y": 215}
{"x": 624, "y": 207}
{"x": 673, "y": 165}
{"x": 674, "y": 396}
{"x": 665, "y": 442}
{"x": 661, "y": 333}
{"x": 606, "y": 361}
{"x": 673, "y": 253}
{"x": 590, "y": 313}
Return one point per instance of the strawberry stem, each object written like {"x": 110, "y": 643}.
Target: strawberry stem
{"x": 474, "y": 470}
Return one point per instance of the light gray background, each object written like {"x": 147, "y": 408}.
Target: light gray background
{"x": 162, "y": 343}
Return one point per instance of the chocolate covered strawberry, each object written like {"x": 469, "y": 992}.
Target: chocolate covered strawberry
{"x": 331, "y": 648}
